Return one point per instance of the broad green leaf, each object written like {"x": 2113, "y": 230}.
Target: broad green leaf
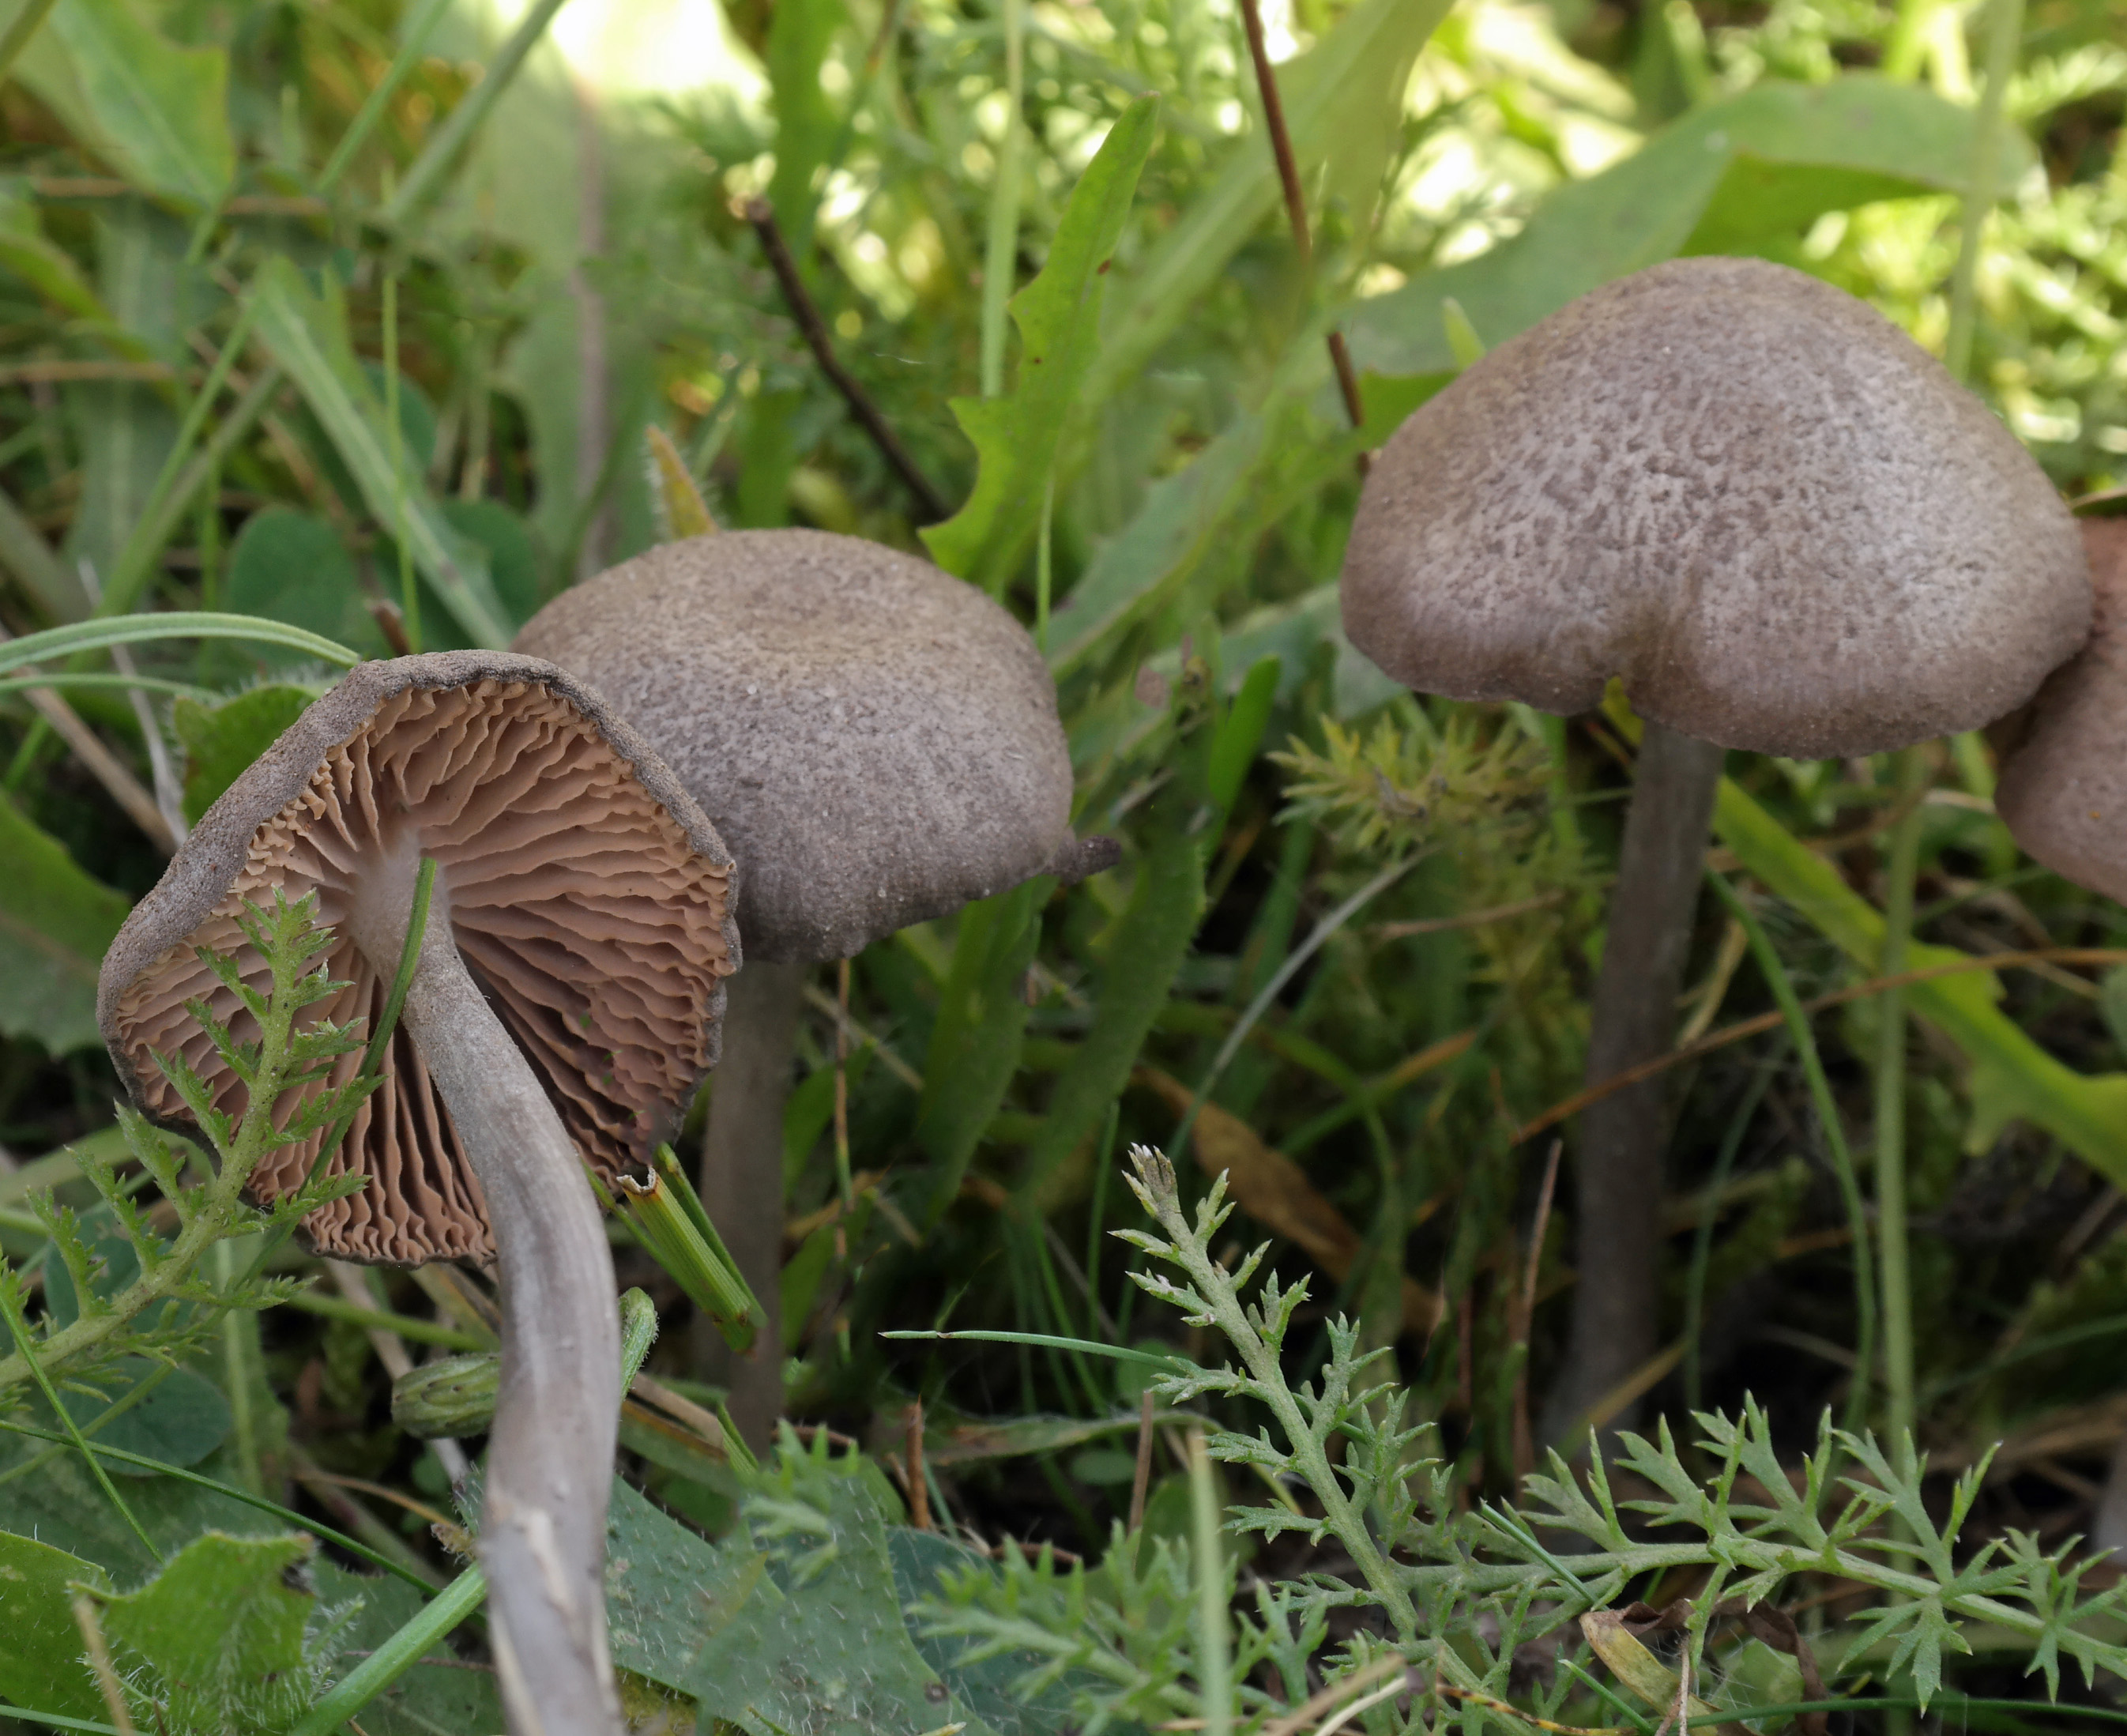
{"x": 220, "y": 741}
{"x": 817, "y": 1644}
{"x": 513, "y": 564}
{"x": 2012, "y": 1077}
{"x": 214, "y": 1641}
{"x": 290, "y": 566}
{"x": 663, "y": 1584}
{"x": 981, "y": 1024}
{"x": 41, "y": 1653}
{"x": 1344, "y": 100}
{"x": 1149, "y": 942}
{"x": 307, "y": 334}
{"x": 158, "y": 113}
{"x": 58, "y": 1501}
{"x": 56, "y": 922}
{"x": 1739, "y": 176}
{"x": 1058, "y": 317}
{"x": 182, "y": 1419}
{"x": 437, "y": 1694}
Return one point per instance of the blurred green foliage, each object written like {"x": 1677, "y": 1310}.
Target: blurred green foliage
{"x": 196, "y": 180}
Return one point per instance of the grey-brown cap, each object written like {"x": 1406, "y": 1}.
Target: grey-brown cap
{"x": 586, "y": 890}
{"x": 1740, "y": 491}
{"x": 2062, "y": 785}
{"x": 877, "y": 740}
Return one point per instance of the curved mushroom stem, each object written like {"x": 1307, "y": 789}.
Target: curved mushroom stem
{"x": 742, "y": 1178}
{"x": 1618, "y": 1216}
{"x": 557, "y": 1418}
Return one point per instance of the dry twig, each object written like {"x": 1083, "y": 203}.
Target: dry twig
{"x": 761, "y": 215}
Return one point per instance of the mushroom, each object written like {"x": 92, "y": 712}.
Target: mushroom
{"x": 1783, "y": 528}
{"x": 564, "y": 1007}
{"x": 878, "y": 743}
{"x": 2062, "y": 788}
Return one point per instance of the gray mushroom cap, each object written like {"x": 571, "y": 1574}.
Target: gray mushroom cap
{"x": 1740, "y": 491}
{"x": 877, "y": 740}
{"x": 582, "y": 884}
{"x": 2062, "y": 787}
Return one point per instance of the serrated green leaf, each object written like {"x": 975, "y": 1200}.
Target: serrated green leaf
{"x": 157, "y": 112}
{"x": 307, "y": 334}
{"x": 42, "y": 1663}
{"x": 56, "y": 922}
{"x": 214, "y": 1641}
{"x": 1058, "y": 317}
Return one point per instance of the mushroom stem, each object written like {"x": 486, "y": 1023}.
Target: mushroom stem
{"x": 556, "y": 1417}
{"x": 743, "y": 1178}
{"x": 1618, "y": 1222}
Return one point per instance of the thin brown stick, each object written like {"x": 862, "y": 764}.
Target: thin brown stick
{"x": 1520, "y": 1716}
{"x": 1763, "y": 1021}
{"x": 919, "y": 1490}
{"x": 1141, "y": 1479}
{"x": 1348, "y": 386}
{"x": 1280, "y": 139}
{"x": 1295, "y": 201}
{"x": 99, "y": 1659}
{"x": 1468, "y": 919}
{"x": 761, "y": 215}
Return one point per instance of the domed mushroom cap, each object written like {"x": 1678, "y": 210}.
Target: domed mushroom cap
{"x": 877, "y": 740}
{"x": 584, "y": 890}
{"x": 1744, "y": 492}
{"x": 2062, "y": 788}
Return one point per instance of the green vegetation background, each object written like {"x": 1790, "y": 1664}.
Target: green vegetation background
{"x": 554, "y": 253}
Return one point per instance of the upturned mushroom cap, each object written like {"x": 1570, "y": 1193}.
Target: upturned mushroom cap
{"x": 2063, "y": 786}
{"x": 877, "y": 740}
{"x": 586, "y": 890}
{"x": 1742, "y": 491}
